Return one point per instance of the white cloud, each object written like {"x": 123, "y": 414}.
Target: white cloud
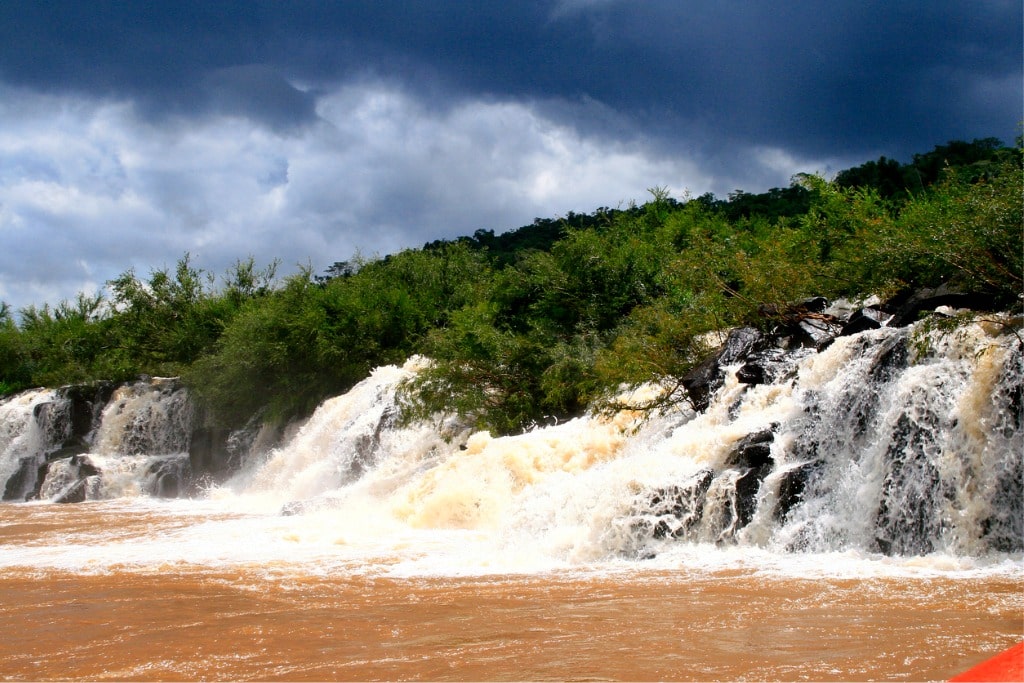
{"x": 775, "y": 162}
{"x": 88, "y": 190}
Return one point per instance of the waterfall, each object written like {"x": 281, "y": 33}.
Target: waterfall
{"x": 32, "y": 423}
{"x": 874, "y": 444}
{"x": 139, "y": 446}
{"x": 346, "y": 437}
{"x": 88, "y": 442}
{"x": 868, "y": 445}
{"x": 147, "y": 417}
{"x": 891, "y": 441}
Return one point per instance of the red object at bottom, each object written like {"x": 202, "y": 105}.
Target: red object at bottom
{"x": 1005, "y": 666}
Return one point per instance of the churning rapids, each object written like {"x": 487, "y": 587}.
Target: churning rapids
{"x": 871, "y": 476}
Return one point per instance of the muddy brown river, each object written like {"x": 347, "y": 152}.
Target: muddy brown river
{"x": 65, "y": 615}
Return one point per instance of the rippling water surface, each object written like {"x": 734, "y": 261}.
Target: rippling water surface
{"x": 110, "y": 590}
{"x": 859, "y": 517}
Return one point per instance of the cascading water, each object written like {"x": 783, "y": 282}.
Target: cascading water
{"x": 874, "y": 446}
{"x": 142, "y": 440}
{"x": 865, "y": 446}
{"x": 868, "y": 446}
{"x": 81, "y": 443}
{"x": 31, "y": 425}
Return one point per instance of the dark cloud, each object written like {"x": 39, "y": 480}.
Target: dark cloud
{"x": 844, "y": 78}
{"x": 131, "y": 132}
{"x": 260, "y": 92}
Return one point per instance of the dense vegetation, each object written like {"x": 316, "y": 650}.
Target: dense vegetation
{"x": 547, "y": 319}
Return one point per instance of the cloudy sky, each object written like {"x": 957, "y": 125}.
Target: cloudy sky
{"x": 133, "y": 132}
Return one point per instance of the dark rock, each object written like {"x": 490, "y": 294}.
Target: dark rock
{"x": 53, "y": 419}
{"x": 792, "y": 485}
{"x": 69, "y": 480}
{"x": 74, "y": 494}
{"x": 752, "y": 451}
{"x": 25, "y": 482}
{"x": 71, "y": 448}
{"x": 87, "y": 401}
{"x": 816, "y": 332}
{"x": 864, "y": 319}
{"x": 241, "y": 442}
{"x": 753, "y": 373}
{"x": 704, "y": 379}
{"x": 216, "y": 452}
{"x": 168, "y": 477}
{"x": 816, "y": 304}
{"x": 747, "y": 486}
{"x": 908, "y": 308}
{"x": 761, "y": 367}
{"x": 208, "y": 452}
{"x": 891, "y": 358}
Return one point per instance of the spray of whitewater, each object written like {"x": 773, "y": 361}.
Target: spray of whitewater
{"x": 872, "y": 450}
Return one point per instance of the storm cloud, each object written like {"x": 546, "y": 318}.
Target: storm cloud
{"x": 131, "y": 133}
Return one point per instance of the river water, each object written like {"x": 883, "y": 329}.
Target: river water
{"x": 118, "y": 591}
{"x": 857, "y": 515}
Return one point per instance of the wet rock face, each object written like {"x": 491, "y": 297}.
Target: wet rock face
{"x": 704, "y": 379}
{"x": 792, "y": 485}
{"x": 878, "y": 459}
{"x": 63, "y": 427}
{"x": 70, "y": 480}
{"x": 25, "y": 482}
{"x": 209, "y": 452}
{"x": 752, "y": 451}
{"x": 47, "y": 429}
{"x": 167, "y": 477}
{"x": 713, "y": 504}
{"x": 677, "y": 510}
{"x": 86, "y": 405}
{"x": 150, "y": 416}
{"x": 752, "y": 456}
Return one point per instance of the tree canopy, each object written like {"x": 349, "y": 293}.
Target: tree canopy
{"x": 543, "y": 321}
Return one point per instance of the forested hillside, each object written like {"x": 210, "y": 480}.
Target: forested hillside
{"x": 545, "y": 320}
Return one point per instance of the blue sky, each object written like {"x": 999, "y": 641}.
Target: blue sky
{"x": 133, "y": 132}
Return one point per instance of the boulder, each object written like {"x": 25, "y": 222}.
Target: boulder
{"x": 75, "y": 493}
{"x": 868, "y": 318}
{"x": 815, "y": 331}
{"x": 167, "y": 477}
{"x": 909, "y": 306}
{"x": 65, "y": 480}
{"x": 792, "y": 486}
{"x": 752, "y": 451}
{"x": 761, "y": 367}
{"x": 703, "y": 380}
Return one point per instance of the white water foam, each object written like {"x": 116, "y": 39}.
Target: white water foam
{"x": 366, "y": 495}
